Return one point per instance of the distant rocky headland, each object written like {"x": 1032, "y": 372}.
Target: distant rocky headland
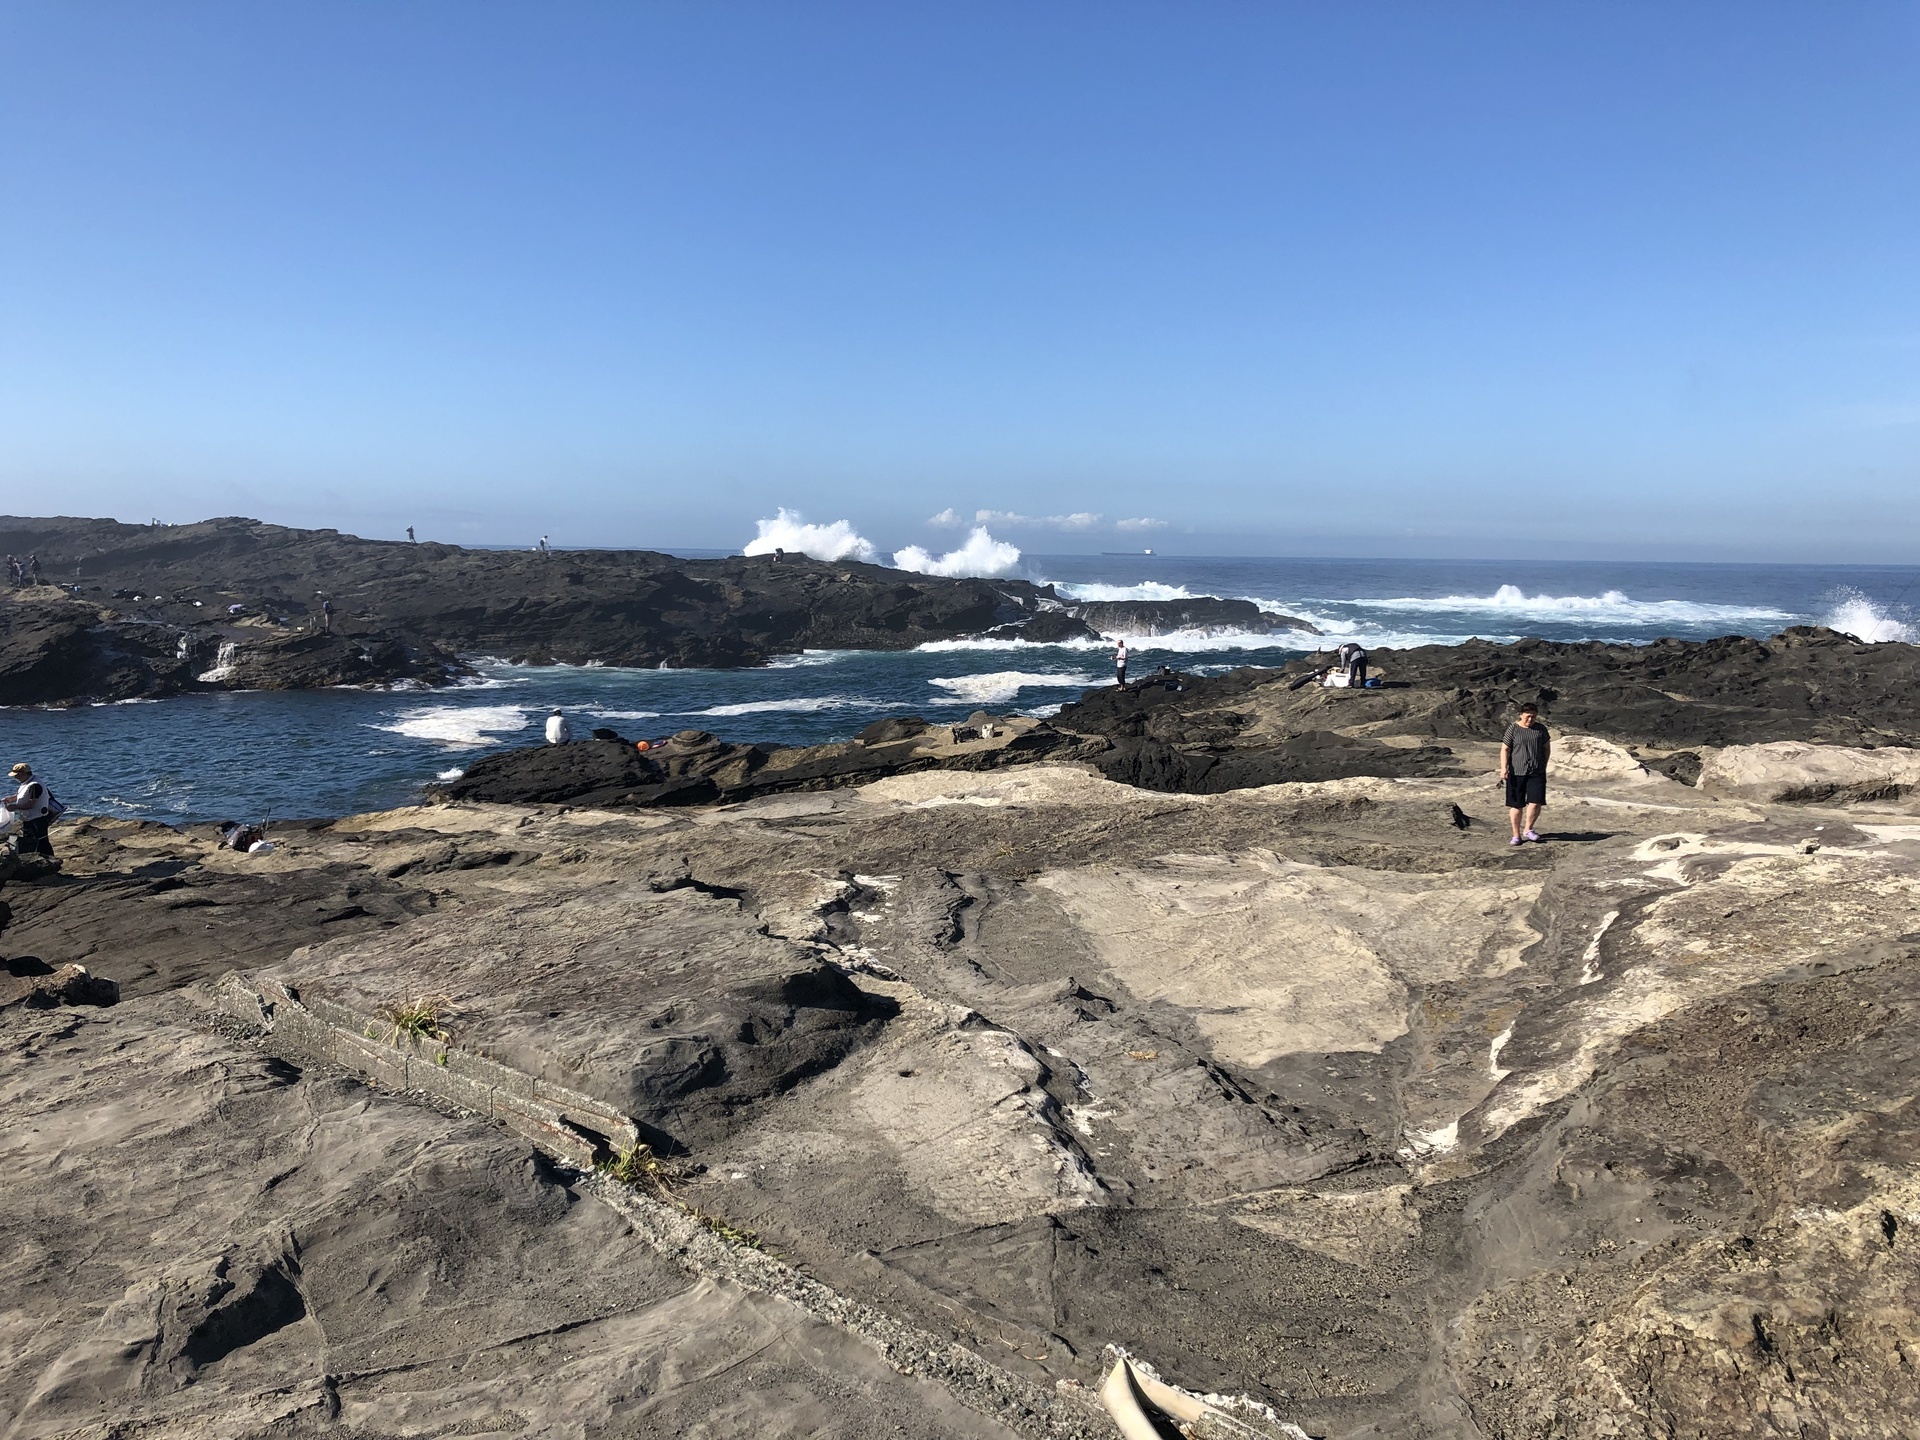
{"x": 129, "y": 611}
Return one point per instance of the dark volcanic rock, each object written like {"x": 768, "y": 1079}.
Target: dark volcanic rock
{"x": 59, "y": 652}
{"x": 586, "y": 772}
{"x": 1318, "y": 755}
{"x": 1049, "y": 627}
{"x": 54, "y": 651}
{"x": 400, "y": 610}
{"x": 1806, "y": 684}
{"x": 694, "y": 767}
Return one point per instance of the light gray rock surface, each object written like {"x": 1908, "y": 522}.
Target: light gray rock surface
{"x": 1300, "y": 1092}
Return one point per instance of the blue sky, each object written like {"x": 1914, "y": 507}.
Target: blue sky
{"x": 1393, "y": 279}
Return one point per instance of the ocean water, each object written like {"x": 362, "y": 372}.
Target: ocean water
{"x": 334, "y": 752}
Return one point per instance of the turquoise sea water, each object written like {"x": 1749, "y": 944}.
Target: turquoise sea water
{"x": 339, "y": 751}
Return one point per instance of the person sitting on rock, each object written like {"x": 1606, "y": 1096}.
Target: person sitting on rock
{"x": 1524, "y": 750}
{"x": 558, "y": 731}
{"x": 235, "y": 836}
{"x": 34, "y": 807}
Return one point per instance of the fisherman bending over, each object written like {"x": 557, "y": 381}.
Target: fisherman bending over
{"x": 1353, "y": 660}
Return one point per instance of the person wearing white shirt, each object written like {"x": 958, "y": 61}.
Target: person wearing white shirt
{"x": 32, "y": 805}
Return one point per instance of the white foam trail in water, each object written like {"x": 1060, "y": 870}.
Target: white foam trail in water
{"x": 1000, "y": 686}
{"x": 789, "y": 530}
{"x": 458, "y": 725}
{"x": 624, "y": 714}
{"x": 1855, "y": 614}
{"x": 1613, "y": 607}
{"x": 803, "y": 703}
{"x": 982, "y": 555}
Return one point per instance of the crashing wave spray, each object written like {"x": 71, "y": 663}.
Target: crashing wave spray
{"x": 1854, "y": 614}
{"x": 789, "y": 530}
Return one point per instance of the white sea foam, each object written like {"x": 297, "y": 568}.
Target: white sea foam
{"x": 453, "y": 774}
{"x": 458, "y": 725}
{"x": 1336, "y": 630}
{"x": 802, "y": 703}
{"x": 624, "y": 714}
{"x": 789, "y": 530}
{"x": 982, "y": 555}
{"x": 811, "y": 657}
{"x": 1180, "y": 642}
{"x": 1091, "y": 592}
{"x": 1855, "y": 614}
{"x": 1000, "y": 686}
{"x": 1612, "y": 607}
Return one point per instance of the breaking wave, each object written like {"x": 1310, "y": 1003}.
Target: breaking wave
{"x": 1612, "y": 607}
{"x": 1000, "y": 686}
{"x": 789, "y": 530}
{"x": 982, "y": 555}
{"x": 458, "y": 725}
{"x": 1145, "y": 590}
{"x": 1854, "y": 614}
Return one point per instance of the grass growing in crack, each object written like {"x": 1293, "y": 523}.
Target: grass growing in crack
{"x": 640, "y": 1169}
{"x": 416, "y": 1017}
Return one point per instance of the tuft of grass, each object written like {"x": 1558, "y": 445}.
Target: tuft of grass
{"x": 637, "y": 1166}
{"x": 416, "y": 1017}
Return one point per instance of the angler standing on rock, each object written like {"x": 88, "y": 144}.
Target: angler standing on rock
{"x": 1524, "y": 750}
{"x": 1120, "y": 664}
{"x": 35, "y": 808}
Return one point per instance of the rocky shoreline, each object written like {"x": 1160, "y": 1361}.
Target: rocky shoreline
{"x": 889, "y": 1088}
{"x": 130, "y": 611}
{"x": 1432, "y": 716}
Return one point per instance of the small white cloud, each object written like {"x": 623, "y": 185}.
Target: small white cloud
{"x": 788, "y": 530}
{"x": 1079, "y": 520}
{"x": 948, "y": 516}
{"x": 981, "y": 555}
{"x": 1140, "y": 522}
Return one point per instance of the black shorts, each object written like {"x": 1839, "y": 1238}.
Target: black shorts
{"x": 1525, "y": 790}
